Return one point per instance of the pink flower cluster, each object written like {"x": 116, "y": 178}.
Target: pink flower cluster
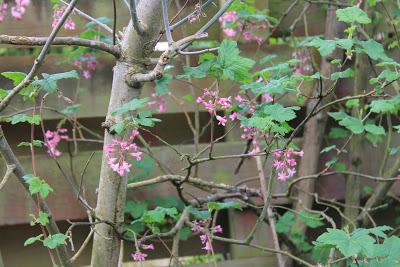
{"x": 118, "y": 151}
{"x": 285, "y": 163}
{"x": 231, "y": 25}
{"x": 199, "y": 227}
{"x": 3, "y": 11}
{"x": 57, "y": 14}
{"x": 140, "y": 256}
{"x": 87, "y": 62}
{"x": 52, "y": 139}
{"x": 212, "y": 102}
{"x": 17, "y": 11}
{"x": 159, "y": 101}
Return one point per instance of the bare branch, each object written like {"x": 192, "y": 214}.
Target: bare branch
{"x": 9, "y": 171}
{"x": 166, "y": 22}
{"x": 70, "y": 41}
{"x": 39, "y": 60}
{"x": 137, "y": 25}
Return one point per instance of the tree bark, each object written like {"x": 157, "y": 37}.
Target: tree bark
{"x": 135, "y": 50}
{"x": 314, "y": 129}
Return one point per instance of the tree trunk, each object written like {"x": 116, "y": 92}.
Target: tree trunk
{"x": 314, "y": 129}
{"x": 135, "y": 50}
{"x": 353, "y": 190}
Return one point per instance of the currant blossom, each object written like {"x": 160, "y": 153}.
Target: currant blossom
{"x": 118, "y": 151}
{"x": 158, "y": 101}
{"x": 284, "y": 163}
{"x": 58, "y": 12}
{"x": 52, "y": 139}
{"x": 19, "y": 9}
{"x": 87, "y": 62}
{"x": 3, "y": 11}
{"x": 139, "y": 256}
{"x": 221, "y": 120}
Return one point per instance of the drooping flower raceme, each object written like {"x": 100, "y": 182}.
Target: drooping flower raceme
{"x": 284, "y": 163}
{"x": 87, "y": 62}
{"x": 205, "y": 239}
{"x": 52, "y": 139}
{"x": 231, "y": 25}
{"x": 119, "y": 151}
{"x": 19, "y": 9}
{"x": 158, "y": 101}
{"x": 140, "y": 256}
{"x": 3, "y": 11}
{"x": 58, "y": 12}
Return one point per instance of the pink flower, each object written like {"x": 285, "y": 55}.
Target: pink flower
{"x": 248, "y": 36}
{"x": 3, "y": 11}
{"x": 147, "y": 247}
{"x": 52, "y": 139}
{"x": 86, "y": 74}
{"x": 230, "y": 32}
{"x": 118, "y": 151}
{"x": 259, "y": 40}
{"x": 225, "y": 102}
{"x": 217, "y": 229}
{"x": 196, "y": 228}
{"x": 139, "y": 256}
{"x": 266, "y": 98}
{"x": 158, "y": 101}
{"x": 221, "y": 120}
{"x": 57, "y": 14}
{"x": 284, "y": 163}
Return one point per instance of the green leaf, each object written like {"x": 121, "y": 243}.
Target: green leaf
{"x": 143, "y": 169}
{"x": 135, "y": 209}
{"x": 338, "y": 116}
{"x": 199, "y": 214}
{"x": 285, "y": 222}
{"x": 353, "y": 124}
{"x": 374, "y": 129}
{"x": 49, "y": 81}
{"x": 374, "y": 50}
{"x": 188, "y": 98}
{"x": 132, "y": 105}
{"x": 327, "y": 149}
{"x": 37, "y": 185}
{"x": 223, "y": 205}
{"x": 385, "y": 105}
{"x": 20, "y": 118}
{"x": 233, "y": 66}
{"x": 43, "y": 218}
{"x": 163, "y": 83}
{"x": 337, "y": 133}
{"x": 352, "y": 103}
{"x": 280, "y": 113}
{"x": 352, "y": 14}
{"x": 200, "y": 71}
{"x": 15, "y": 76}
{"x": 345, "y": 43}
{"x": 158, "y": 215}
{"x": 347, "y": 244}
{"x": 312, "y": 220}
{"x": 53, "y": 241}
{"x": 343, "y": 74}
{"x": 32, "y": 240}
{"x": 184, "y": 233}
{"x": 36, "y": 143}
{"x": 325, "y": 47}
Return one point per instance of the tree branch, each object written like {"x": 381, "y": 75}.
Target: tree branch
{"x": 39, "y": 60}
{"x": 137, "y": 25}
{"x": 70, "y": 41}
